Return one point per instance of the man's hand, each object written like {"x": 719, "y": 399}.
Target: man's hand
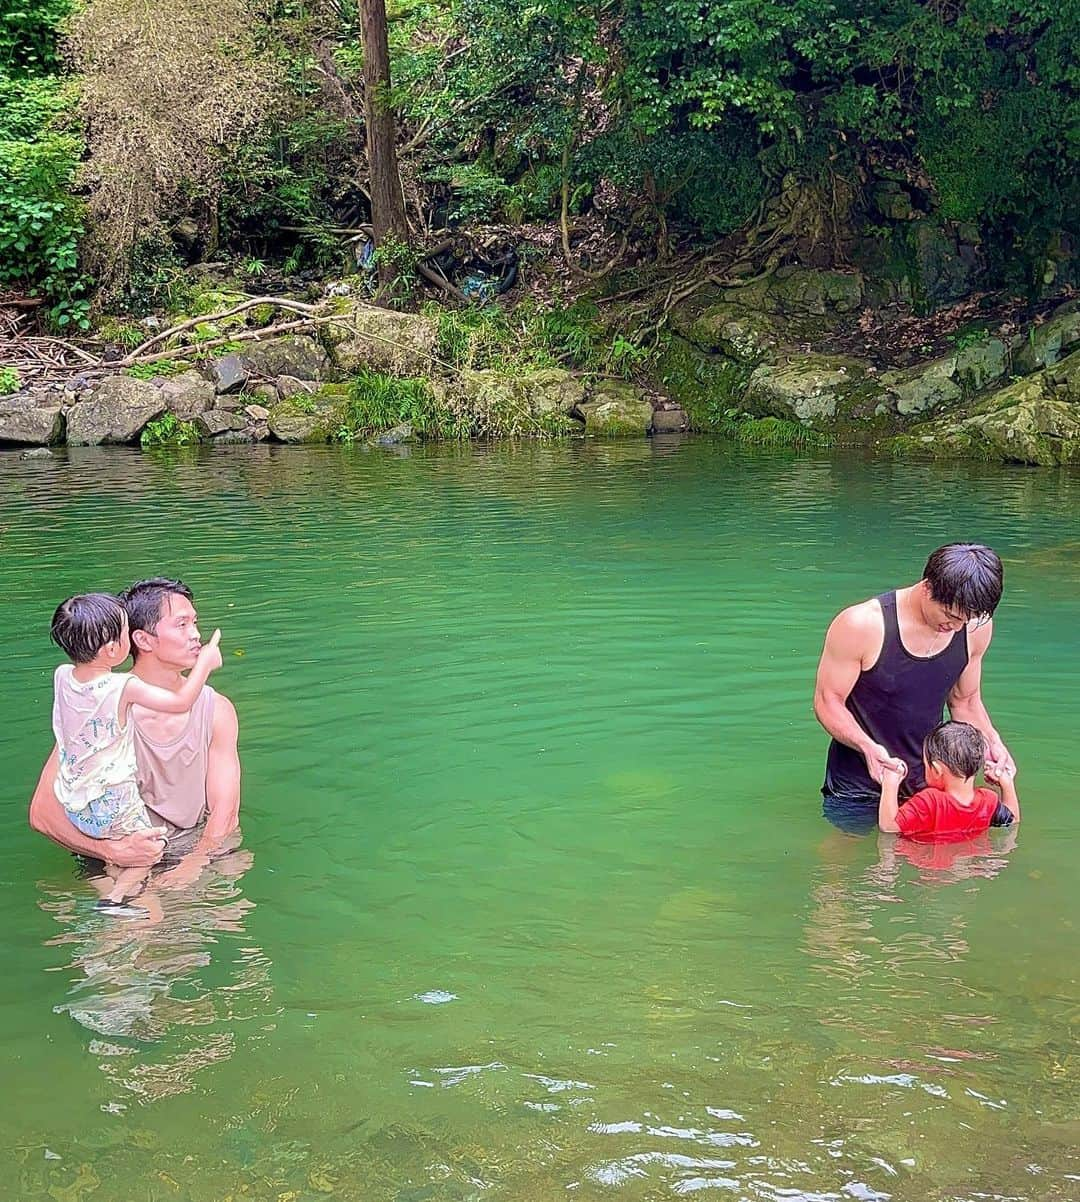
{"x": 879, "y": 760}
{"x": 138, "y": 850}
{"x": 895, "y": 770}
{"x": 998, "y": 761}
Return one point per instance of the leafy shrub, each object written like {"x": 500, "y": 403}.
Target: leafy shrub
{"x": 377, "y": 402}
{"x": 169, "y": 431}
{"x": 10, "y": 381}
{"x": 41, "y": 222}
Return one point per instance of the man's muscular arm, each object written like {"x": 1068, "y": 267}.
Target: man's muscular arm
{"x": 966, "y": 704}
{"x": 853, "y": 639}
{"x": 47, "y": 817}
{"x": 222, "y": 773}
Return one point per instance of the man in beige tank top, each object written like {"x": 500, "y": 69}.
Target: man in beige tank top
{"x": 188, "y": 765}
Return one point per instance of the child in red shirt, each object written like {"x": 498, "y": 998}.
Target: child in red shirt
{"x": 951, "y": 805}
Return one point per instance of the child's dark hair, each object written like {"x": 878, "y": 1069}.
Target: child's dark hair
{"x": 83, "y": 625}
{"x": 957, "y": 745}
{"x": 966, "y": 577}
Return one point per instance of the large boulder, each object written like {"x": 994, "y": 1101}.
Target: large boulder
{"x": 942, "y": 265}
{"x": 115, "y": 412}
{"x": 365, "y": 337}
{"x": 809, "y": 387}
{"x": 309, "y": 418}
{"x": 928, "y": 386}
{"x": 288, "y": 355}
{"x": 31, "y": 418}
{"x": 552, "y": 391}
{"x": 187, "y": 395}
{"x": 744, "y": 335}
{"x": 616, "y": 408}
{"x": 1045, "y": 344}
{"x": 1023, "y": 423}
{"x": 809, "y": 292}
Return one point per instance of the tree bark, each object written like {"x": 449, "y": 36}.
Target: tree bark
{"x": 387, "y": 200}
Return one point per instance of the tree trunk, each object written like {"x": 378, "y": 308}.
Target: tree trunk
{"x": 387, "y": 201}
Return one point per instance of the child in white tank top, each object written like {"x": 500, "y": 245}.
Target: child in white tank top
{"x": 95, "y": 778}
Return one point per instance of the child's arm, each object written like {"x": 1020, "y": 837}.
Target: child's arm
{"x": 152, "y": 697}
{"x": 1006, "y": 780}
{"x": 889, "y": 803}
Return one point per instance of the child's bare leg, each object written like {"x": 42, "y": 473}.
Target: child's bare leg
{"x": 124, "y": 882}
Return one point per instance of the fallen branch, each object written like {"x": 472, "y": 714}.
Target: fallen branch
{"x": 210, "y": 318}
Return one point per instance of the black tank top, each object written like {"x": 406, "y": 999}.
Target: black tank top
{"x": 897, "y": 702}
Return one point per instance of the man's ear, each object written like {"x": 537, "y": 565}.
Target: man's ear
{"x": 142, "y": 639}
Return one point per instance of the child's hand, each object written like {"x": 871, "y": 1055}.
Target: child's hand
{"x": 894, "y": 769}
{"x": 211, "y": 652}
{"x": 1000, "y": 773}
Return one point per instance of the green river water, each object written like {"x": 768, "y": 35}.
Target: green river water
{"x": 535, "y": 899}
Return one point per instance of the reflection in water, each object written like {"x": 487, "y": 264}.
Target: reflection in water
{"x": 166, "y": 981}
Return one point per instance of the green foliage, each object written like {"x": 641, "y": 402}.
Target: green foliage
{"x": 963, "y": 339}
{"x": 28, "y": 36}
{"x": 169, "y": 431}
{"x": 476, "y": 193}
{"x": 377, "y": 402}
{"x": 162, "y": 369}
{"x": 41, "y": 221}
{"x": 10, "y": 381}
{"x": 531, "y": 336}
{"x": 122, "y": 333}
{"x": 768, "y": 431}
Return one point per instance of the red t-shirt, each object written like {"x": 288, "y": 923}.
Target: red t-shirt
{"x": 934, "y": 812}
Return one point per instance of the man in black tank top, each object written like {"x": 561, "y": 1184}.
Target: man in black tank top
{"x": 890, "y": 666}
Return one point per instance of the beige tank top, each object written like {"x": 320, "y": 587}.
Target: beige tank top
{"x": 172, "y": 775}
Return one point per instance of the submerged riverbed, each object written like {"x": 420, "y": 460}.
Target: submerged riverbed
{"x": 535, "y": 898}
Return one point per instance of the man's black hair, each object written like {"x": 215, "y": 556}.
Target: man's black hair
{"x": 957, "y": 745}
{"x": 966, "y": 578}
{"x": 145, "y": 603}
{"x": 82, "y": 625}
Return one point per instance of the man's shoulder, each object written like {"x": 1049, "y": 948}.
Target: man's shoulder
{"x": 859, "y": 624}
{"x": 225, "y": 722}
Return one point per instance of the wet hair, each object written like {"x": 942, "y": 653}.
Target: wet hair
{"x": 145, "y": 603}
{"x": 957, "y": 745}
{"x": 82, "y": 625}
{"x": 966, "y": 578}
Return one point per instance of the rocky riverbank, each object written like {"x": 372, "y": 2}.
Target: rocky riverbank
{"x": 733, "y": 360}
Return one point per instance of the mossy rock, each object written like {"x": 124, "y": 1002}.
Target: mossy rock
{"x": 311, "y": 417}
{"x": 706, "y": 386}
{"x": 1045, "y": 344}
{"x": 616, "y": 410}
{"x": 741, "y": 334}
{"x": 215, "y": 300}
{"x": 818, "y": 390}
{"x": 383, "y": 340}
{"x": 498, "y": 404}
{"x": 1023, "y": 423}
{"x": 1064, "y": 378}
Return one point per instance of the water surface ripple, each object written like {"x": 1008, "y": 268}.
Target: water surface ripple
{"x": 534, "y": 895}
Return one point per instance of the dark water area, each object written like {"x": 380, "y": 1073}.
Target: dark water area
{"x": 534, "y": 897}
